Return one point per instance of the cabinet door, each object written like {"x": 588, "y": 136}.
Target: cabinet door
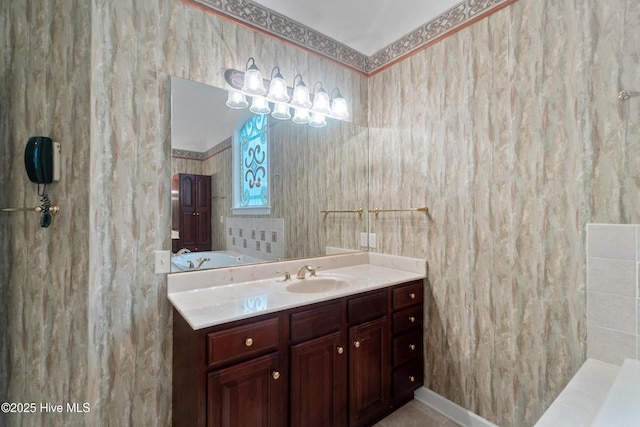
{"x": 203, "y": 212}
{"x": 318, "y": 382}
{"x": 369, "y": 370}
{"x": 250, "y": 394}
{"x": 187, "y": 208}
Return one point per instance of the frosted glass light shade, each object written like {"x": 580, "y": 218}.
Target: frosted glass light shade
{"x": 281, "y": 112}
{"x": 301, "y": 97}
{"x": 253, "y": 84}
{"x": 260, "y": 105}
{"x": 236, "y": 100}
{"x": 321, "y": 102}
{"x": 278, "y": 90}
{"x": 339, "y": 108}
{"x": 301, "y": 116}
{"x": 317, "y": 120}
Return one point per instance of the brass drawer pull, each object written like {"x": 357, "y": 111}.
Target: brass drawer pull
{"x": 275, "y": 375}
{"x": 412, "y": 346}
{"x": 356, "y": 344}
{"x": 412, "y": 378}
{"x": 412, "y": 295}
{"x": 412, "y": 319}
{"x": 248, "y": 342}
{"x": 340, "y": 350}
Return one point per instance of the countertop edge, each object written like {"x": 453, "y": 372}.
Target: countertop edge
{"x": 188, "y": 300}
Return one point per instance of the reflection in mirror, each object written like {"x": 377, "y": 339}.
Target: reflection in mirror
{"x": 310, "y": 170}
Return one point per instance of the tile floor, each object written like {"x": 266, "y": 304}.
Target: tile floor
{"x": 416, "y": 414}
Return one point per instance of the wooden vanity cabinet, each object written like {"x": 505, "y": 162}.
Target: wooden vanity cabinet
{"x": 318, "y": 366}
{"x": 369, "y": 366}
{"x": 344, "y": 362}
{"x": 407, "y": 340}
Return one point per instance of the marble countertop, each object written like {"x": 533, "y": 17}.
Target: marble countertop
{"x": 212, "y": 297}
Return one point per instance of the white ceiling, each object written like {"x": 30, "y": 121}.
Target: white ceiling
{"x": 200, "y": 119}
{"x": 364, "y": 25}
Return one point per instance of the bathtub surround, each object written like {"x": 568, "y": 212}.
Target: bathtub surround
{"x": 514, "y": 138}
{"x": 613, "y": 267}
{"x": 261, "y": 238}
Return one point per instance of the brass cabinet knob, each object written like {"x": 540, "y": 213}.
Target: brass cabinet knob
{"x": 356, "y": 344}
{"x": 412, "y": 346}
{"x": 248, "y": 342}
{"x": 275, "y": 375}
{"x": 412, "y": 295}
{"x": 412, "y": 378}
{"x": 340, "y": 350}
{"x": 412, "y": 319}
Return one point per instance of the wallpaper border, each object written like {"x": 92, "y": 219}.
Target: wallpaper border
{"x": 266, "y": 20}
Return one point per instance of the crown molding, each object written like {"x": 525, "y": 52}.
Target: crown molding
{"x": 264, "y": 20}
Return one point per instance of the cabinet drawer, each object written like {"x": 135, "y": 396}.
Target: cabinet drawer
{"x": 242, "y": 341}
{"x": 315, "y": 322}
{"x": 408, "y": 377}
{"x": 405, "y": 296}
{"x": 368, "y": 307}
{"x": 407, "y": 346}
{"x": 407, "y": 319}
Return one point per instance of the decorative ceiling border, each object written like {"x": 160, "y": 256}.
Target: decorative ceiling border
{"x": 196, "y": 155}
{"x": 266, "y": 20}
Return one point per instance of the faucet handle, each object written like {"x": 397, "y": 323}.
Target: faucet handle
{"x": 287, "y": 275}
{"x": 312, "y": 270}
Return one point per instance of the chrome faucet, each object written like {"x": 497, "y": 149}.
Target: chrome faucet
{"x": 182, "y": 251}
{"x": 201, "y": 261}
{"x": 302, "y": 271}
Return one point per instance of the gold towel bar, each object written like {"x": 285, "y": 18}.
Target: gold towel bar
{"x": 423, "y": 209}
{"x": 53, "y": 209}
{"x": 357, "y": 211}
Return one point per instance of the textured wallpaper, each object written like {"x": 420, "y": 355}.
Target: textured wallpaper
{"x": 512, "y": 133}
{"x": 87, "y": 320}
{"x": 45, "y": 90}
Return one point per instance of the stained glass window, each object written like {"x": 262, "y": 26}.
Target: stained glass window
{"x": 252, "y": 163}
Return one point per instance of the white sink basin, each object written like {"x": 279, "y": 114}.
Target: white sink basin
{"x": 317, "y": 284}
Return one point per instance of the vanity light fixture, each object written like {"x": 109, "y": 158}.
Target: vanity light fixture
{"x": 260, "y": 105}
{"x": 317, "y": 120}
{"x": 338, "y": 105}
{"x": 277, "y": 87}
{"x": 281, "y": 111}
{"x": 308, "y": 108}
{"x": 253, "y": 84}
{"x": 320, "y": 100}
{"x": 301, "y": 116}
{"x": 237, "y": 100}
{"x": 300, "y": 94}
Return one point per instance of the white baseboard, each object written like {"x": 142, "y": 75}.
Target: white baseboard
{"x": 449, "y": 409}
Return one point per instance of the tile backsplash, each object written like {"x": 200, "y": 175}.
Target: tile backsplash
{"x": 261, "y": 238}
{"x": 613, "y": 296}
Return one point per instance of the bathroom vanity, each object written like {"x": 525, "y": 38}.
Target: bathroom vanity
{"x": 347, "y": 356}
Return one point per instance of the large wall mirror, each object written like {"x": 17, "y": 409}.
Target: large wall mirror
{"x": 317, "y": 184}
